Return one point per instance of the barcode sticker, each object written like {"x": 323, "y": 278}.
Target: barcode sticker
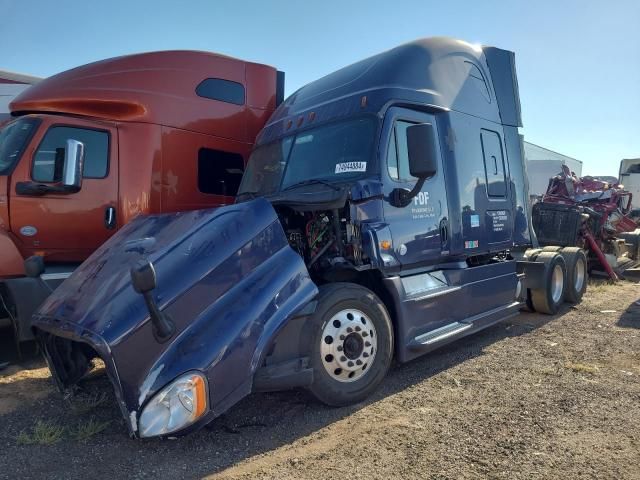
{"x": 351, "y": 167}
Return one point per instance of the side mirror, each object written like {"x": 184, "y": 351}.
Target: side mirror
{"x": 423, "y": 161}
{"x": 68, "y": 168}
{"x": 73, "y": 166}
{"x": 143, "y": 279}
{"x": 421, "y": 147}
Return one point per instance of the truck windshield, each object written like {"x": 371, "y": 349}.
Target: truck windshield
{"x": 331, "y": 153}
{"x": 14, "y": 137}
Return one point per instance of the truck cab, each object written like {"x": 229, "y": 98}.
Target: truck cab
{"x": 335, "y": 162}
{"x": 383, "y": 213}
{"x": 629, "y": 176}
{"x": 344, "y": 140}
{"x": 161, "y": 132}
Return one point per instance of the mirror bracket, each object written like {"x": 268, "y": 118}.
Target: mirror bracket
{"x": 143, "y": 279}
{"x": 401, "y": 197}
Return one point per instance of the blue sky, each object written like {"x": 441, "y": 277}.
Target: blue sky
{"x": 578, "y": 61}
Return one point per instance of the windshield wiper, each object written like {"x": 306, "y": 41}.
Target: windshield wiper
{"x": 311, "y": 181}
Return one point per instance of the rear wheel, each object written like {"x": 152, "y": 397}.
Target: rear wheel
{"x": 351, "y": 344}
{"x": 632, "y": 240}
{"x": 576, "y": 262}
{"x": 550, "y": 296}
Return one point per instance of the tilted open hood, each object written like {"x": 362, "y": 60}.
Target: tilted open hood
{"x": 227, "y": 278}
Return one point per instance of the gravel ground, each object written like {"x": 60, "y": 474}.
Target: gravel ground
{"x": 534, "y": 397}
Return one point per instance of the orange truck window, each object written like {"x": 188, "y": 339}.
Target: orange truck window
{"x": 48, "y": 159}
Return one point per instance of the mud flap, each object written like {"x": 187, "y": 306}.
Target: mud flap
{"x": 25, "y": 296}
{"x": 533, "y": 274}
{"x": 283, "y": 376}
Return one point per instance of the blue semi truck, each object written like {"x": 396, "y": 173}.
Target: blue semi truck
{"x": 383, "y": 213}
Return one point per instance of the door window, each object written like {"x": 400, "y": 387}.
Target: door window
{"x": 397, "y": 155}
{"x": 48, "y": 160}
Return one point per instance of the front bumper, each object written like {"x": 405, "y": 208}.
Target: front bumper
{"x": 68, "y": 351}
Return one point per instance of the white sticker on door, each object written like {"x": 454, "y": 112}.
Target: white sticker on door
{"x": 351, "y": 167}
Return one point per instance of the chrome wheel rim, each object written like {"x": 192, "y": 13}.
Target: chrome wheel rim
{"x": 348, "y": 345}
{"x": 579, "y": 275}
{"x": 557, "y": 283}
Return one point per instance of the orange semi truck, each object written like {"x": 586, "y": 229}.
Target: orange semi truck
{"x": 93, "y": 147}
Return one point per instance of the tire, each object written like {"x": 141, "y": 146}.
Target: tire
{"x": 529, "y": 302}
{"x": 550, "y": 297}
{"x": 347, "y": 365}
{"x": 550, "y": 248}
{"x": 531, "y": 254}
{"x": 576, "y": 279}
{"x": 633, "y": 239}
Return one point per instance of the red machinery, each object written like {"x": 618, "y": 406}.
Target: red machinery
{"x": 591, "y": 214}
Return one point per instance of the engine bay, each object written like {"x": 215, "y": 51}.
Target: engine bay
{"x": 327, "y": 240}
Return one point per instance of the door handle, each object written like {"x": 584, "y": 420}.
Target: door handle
{"x": 444, "y": 232}
{"x": 110, "y": 218}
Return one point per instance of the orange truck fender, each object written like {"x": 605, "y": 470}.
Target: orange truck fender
{"x": 11, "y": 261}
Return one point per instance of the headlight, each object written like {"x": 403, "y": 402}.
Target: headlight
{"x": 176, "y": 406}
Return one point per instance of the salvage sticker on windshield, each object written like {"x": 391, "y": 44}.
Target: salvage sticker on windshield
{"x": 351, "y": 167}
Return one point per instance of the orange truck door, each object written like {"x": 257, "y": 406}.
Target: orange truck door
{"x": 67, "y": 227}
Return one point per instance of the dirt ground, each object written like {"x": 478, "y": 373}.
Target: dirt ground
{"x": 534, "y": 397}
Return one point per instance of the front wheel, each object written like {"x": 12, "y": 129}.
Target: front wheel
{"x": 351, "y": 344}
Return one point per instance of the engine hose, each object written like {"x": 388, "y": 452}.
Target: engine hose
{"x": 336, "y": 226}
{"x": 320, "y": 253}
{"x": 320, "y": 235}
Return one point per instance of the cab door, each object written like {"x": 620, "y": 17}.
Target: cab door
{"x": 67, "y": 227}
{"x": 420, "y": 229}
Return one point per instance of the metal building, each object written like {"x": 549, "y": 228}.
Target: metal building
{"x": 542, "y": 164}
{"x": 12, "y": 84}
